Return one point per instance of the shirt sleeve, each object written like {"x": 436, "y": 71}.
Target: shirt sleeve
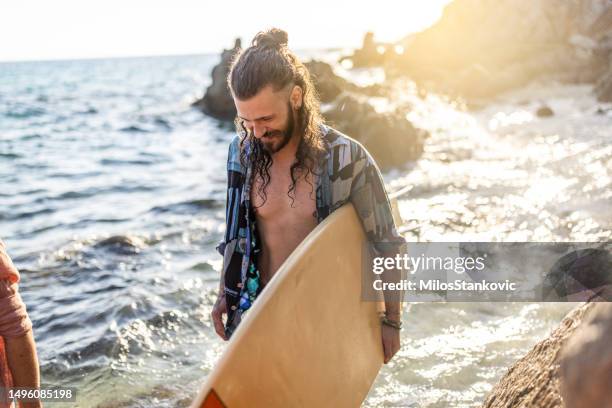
{"x": 371, "y": 201}
{"x": 232, "y": 203}
{"x": 14, "y": 319}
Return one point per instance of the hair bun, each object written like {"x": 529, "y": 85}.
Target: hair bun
{"x": 272, "y": 38}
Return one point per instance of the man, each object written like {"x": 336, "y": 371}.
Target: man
{"x": 286, "y": 173}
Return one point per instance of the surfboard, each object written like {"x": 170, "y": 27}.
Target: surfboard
{"x": 308, "y": 340}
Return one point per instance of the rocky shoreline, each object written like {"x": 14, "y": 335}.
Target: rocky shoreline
{"x": 570, "y": 368}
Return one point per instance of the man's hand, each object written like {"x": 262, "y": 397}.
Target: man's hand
{"x": 390, "y": 339}
{"x": 218, "y": 310}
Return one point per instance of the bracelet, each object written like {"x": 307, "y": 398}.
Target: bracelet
{"x": 392, "y": 323}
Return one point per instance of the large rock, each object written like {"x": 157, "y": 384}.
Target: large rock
{"x": 603, "y": 88}
{"x": 389, "y": 137}
{"x": 533, "y": 381}
{"x": 368, "y": 54}
{"x": 483, "y": 47}
{"x": 545, "y": 112}
{"x": 586, "y": 361}
{"x": 217, "y": 100}
{"x": 330, "y": 86}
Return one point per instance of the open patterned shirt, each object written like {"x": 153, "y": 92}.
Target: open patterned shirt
{"x": 347, "y": 174}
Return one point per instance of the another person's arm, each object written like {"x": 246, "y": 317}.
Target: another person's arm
{"x": 16, "y": 329}
{"x": 23, "y": 363}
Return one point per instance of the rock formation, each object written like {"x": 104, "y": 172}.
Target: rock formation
{"x": 367, "y": 55}
{"x": 603, "y": 88}
{"x": 482, "y": 47}
{"x": 217, "y": 100}
{"x": 330, "y": 86}
{"x": 389, "y": 137}
{"x": 534, "y": 380}
{"x": 586, "y": 361}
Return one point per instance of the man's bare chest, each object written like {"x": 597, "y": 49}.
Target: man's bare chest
{"x": 279, "y": 202}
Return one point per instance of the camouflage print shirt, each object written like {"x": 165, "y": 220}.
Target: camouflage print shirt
{"x": 347, "y": 174}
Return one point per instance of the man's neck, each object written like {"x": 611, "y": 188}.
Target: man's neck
{"x": 286, "y": 155}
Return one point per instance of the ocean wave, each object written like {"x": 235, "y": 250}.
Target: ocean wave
{"x": 27, "y": 214}
{"x": 133, "y": 129}
{"x": 131, "y": 162}
{"x": 25, "y": 112}
{"x": 189, "y": 206}
{"x": 10, "y": 155}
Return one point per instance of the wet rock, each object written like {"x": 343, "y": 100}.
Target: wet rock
{"x": 586, "y": 361}
{"x": 533, "y": 381}
{"x": 330, "y": 86}
{"x": 389, "y": 137}
{"x": 544, "y": 112}
{"x": 603, "y": 88}
{"x": 123, "y": 244}
{"x": 217, "y": 100}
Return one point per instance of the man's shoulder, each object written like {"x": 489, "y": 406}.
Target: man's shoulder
{"x": 234, "y": 145}
{"x": 347, "y": 148}
{"x": 336, "y": 138}
{"x": 233, "y": 155}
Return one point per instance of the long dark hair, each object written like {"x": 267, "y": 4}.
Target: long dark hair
{"x": 268, "y": 61}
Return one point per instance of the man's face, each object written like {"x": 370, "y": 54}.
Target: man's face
{"x": 268, "y": 116}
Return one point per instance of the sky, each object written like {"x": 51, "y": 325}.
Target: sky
{"x": 67, "y": 29}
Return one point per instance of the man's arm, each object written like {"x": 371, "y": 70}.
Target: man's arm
{"x": 392, "y": 298}
{"x": 370, "y": 199}
{"x": 373, "y": 206}
{"x": 218, "y": 310}
{"x": 220, "y": 306}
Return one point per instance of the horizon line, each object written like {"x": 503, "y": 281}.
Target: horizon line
{"x": 187, "y": 54}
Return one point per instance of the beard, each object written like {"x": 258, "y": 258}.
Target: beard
{"x": 274, "y": 140}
